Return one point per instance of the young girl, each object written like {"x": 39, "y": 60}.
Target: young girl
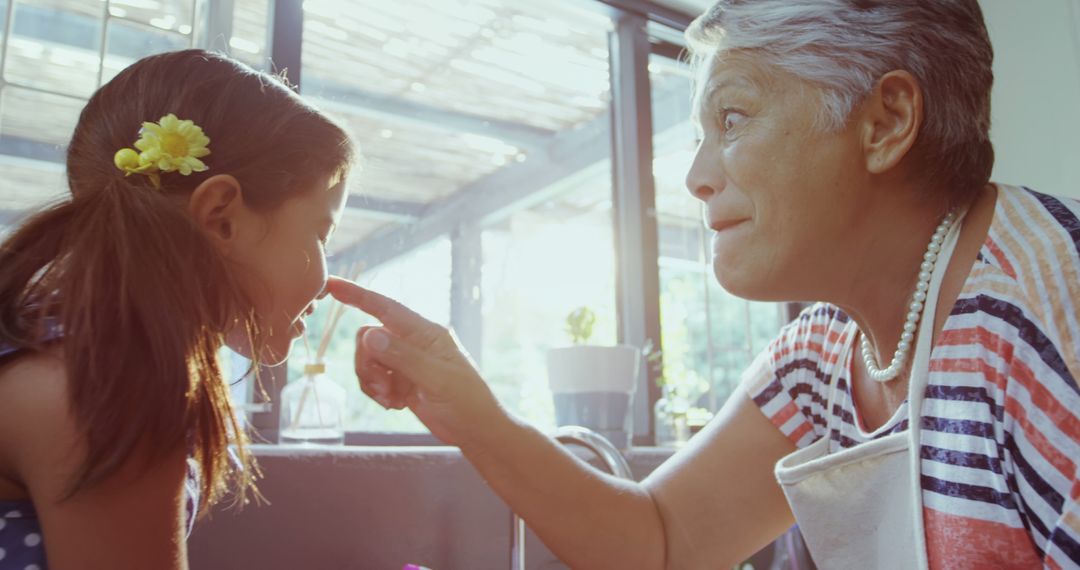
{"x": 202, "y": 196}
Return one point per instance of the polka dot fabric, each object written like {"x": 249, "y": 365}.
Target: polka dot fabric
{"x": 20, "y": 538}
{"x": 21, "y": 543}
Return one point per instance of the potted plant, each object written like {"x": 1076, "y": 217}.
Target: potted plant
{"x": 593, "y": 386}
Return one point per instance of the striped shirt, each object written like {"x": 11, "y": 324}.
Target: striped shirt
{"x": 1000, "y": 426}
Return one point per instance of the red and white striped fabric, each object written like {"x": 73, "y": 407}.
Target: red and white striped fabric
{"x": 1000, "y": 435}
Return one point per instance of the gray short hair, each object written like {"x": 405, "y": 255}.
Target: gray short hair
{"x": 845, "y": 46}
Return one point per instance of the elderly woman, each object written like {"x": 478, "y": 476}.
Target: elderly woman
{"x": 923, "y": 414}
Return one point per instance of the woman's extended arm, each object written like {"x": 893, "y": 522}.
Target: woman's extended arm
{"x": 713, "y": 504}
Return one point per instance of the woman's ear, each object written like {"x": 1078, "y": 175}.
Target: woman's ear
{"x": 892, "y": 116}
{"x": 217, "y": 206}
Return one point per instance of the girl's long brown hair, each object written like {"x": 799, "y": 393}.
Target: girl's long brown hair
{"x": 143, "y": 300}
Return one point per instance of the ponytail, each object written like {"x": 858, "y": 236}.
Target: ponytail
{"x": 144, "y": 301}
{"x": 26, "y": 259}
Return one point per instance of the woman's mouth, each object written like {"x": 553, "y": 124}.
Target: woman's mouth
{"x": 721, "y": 230}
{"x": 722, "y": 225}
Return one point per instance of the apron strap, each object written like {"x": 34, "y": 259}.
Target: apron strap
{"x": 920, "y": 372}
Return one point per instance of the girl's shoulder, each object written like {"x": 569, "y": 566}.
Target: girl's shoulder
{"x": 33, "y": 384}
{"x": 33, "y": 403}
{"x": 31, "y": 378}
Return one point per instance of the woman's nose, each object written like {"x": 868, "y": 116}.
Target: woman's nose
{"x": 700, "y": 191}
{"x": 700, "y": 181}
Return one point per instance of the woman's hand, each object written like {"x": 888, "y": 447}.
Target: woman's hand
{"x": 412, "y": 362}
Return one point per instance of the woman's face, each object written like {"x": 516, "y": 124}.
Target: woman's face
{"x": 284, "y": 262}
{"x": 778, "y": 189}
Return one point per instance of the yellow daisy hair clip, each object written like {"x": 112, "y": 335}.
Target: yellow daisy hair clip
{"x": 169, "y": 145}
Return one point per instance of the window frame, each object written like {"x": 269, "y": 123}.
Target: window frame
{"x": 633, "y": 193}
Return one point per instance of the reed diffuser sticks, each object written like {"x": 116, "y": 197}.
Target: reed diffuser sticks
{"x": 337, "y": 309}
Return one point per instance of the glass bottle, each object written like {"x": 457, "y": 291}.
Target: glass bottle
{"x": 670, "y": 420}
{"x": 312, "y": 409}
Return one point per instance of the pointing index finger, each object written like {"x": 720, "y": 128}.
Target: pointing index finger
{"x": 394, "y": 315}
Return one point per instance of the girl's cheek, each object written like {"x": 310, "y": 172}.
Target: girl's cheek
{"x": 303, "y": 262}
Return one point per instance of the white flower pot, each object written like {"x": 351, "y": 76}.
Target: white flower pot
{"x": 593, "y": 387}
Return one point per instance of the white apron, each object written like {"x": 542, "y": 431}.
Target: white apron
{"x": 861, "y": 507}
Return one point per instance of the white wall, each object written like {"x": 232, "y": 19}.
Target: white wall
{"x": 1036, "y": 100}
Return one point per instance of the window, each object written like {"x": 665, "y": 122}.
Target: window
{"x": 51, "y": 62}
{"x": 539, "y": 265}
{"x": 136, "y": 29}
{"x": 420, "y": 278}
{"x": 486, "y": 125}
{"x": 248, "y": 38}
{"x": 483, "y": 198}
{"x": 60, "y": 51}
{"x": 483, "y": 195}
{"x": 708, "y": 336}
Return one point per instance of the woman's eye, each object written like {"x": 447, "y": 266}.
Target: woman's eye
{"x": 730, "y": 118}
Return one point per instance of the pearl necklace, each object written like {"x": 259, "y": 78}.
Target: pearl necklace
{"x": 918, "y": 299}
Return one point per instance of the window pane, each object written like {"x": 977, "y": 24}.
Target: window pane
{"x": 709, "y": 336}
{"x": 539, "y": 265}
{"x": 128, "y": 42}
{"x": 542, "y": 63}
{"x": 249, "y": 32}
{"x": 55, "y": 45}
{"x": 3, "y": 19}
{"x": 416, "y": 280}
{"x": 170, "y": 15}
{"x": 483, "y": 123}
{"x": 34, "y": 132}
{"x": 52, "y": 61}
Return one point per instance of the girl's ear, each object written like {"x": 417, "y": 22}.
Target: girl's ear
{"x": 217, "y": 207}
